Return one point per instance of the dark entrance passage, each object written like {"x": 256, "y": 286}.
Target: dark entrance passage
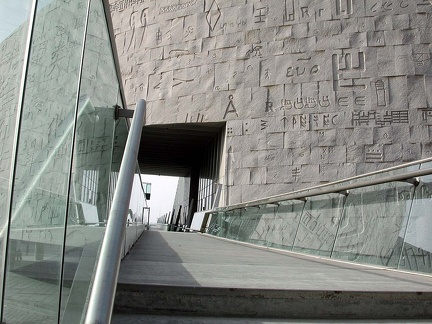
{"x": 192, "y": 151}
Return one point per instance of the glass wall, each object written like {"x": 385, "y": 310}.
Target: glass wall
{"x": 38, "y": 214}
{"x": 59, "y": 165}
{"x": 14, "y": 26}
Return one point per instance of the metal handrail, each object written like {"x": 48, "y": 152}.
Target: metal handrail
{"x": 334, "y": 187}
{"x": 104, "y": 285}
{"x": 333, "y": 183}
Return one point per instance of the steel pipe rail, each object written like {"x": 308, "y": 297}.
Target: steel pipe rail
{"x": 333, "y": 187}
{"x": 101, "y": 301}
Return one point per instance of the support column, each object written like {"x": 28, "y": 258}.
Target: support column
{"x": 193, "y": 194}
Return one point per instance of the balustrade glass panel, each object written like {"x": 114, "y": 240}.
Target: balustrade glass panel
{"x": 261, "y": 227}
{"x": 286, "y": 223}
{"x": 231, "y": 224}
{"x": 373, "y": 224}
{"x": 251, "y": 217}
{"x": 319, "y": 224}
{"x": 135, "y": 221}
{"x": 417, "y": 247}
{"x": 215, "y": 224}
{"x": 386, "y": 225}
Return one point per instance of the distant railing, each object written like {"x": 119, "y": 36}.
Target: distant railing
{"x": 382, "y": 218}
{"x": 104, "y": 285}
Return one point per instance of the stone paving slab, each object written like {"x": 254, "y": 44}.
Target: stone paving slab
{"x": 191, "y": 274}
{"x": 191, "y": 259}
{"x": 154, "y": 319}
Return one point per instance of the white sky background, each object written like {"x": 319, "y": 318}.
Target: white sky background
{"x": 163, "y": 192}
{"x": 15, "y": 12}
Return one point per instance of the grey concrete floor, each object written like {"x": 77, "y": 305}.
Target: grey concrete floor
{"x": 153, "y": 319}
{"x": 199, "y": 260}
{"x": 192, "y": 259}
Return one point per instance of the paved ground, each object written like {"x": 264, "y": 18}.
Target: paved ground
{"x": 197, "y": 261}
{"x": 151, "y": 319}
{"x": 191, "y": 259}
{"x": 30, "y": 300}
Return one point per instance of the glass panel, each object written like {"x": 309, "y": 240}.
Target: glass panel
{"x": 272, "y": 225}
{"x": 138, "y": 201}
{"x": 285, "y": 224}
{"x": 14, "y": 20}
{"x": 250, "y": 218}
{"x": 231, "y": 223}
{"x": 370, "y": 228}
{"x": 32, "y": 281}
{"x": 135, "y": 221}
{"x": 215, "y": 224}
{"x": 88, "y": 205}
{"x": 426, "y": 165}
{"x": 225, "y": 224}
{"x": 373, "y": 224}
{"x": 417, "y": 247}
{"x": 92, "y": 173}
{"x": 319, "y": 224}
{"x": 255, "y": 227}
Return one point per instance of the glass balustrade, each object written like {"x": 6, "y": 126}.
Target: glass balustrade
{"x": 387, "y": 223}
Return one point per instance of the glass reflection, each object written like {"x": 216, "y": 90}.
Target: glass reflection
{"x": 373, "y": 224}
{"x": 318, "y": 225}
{"x": 215, "y": 223}
{"x": 269, "y": 226}
{"x": 287, "y": 218}
{"x": 32, "y": 281}
{"x": 88, "y": 206}
{"x": 136, "y": 220}
{"x": 231, "y": 223}
{"x": 92, "y": 170}
{"x": 14, "y": 21}
{"x": 417, "y": 245}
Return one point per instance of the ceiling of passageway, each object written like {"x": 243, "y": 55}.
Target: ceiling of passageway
{"x": 172, "y": 149}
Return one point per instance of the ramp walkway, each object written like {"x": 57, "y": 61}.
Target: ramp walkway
{"x": 190, "y": 274}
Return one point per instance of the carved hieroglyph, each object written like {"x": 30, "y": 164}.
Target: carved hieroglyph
{"x": 310, "y": 91}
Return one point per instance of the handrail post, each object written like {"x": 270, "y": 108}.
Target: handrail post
{"x": 104, "y": 285}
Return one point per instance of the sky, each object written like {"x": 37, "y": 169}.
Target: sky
{"x": 13, "y": 13}
{"x": 163, "y": 192}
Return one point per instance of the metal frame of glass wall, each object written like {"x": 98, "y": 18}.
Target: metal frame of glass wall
{"x": 61, "y": 148}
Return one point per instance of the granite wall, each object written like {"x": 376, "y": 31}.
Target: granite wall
{"x": 311, "y": 91}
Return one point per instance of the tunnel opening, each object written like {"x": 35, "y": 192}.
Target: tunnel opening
{"x": 192, "y": 152}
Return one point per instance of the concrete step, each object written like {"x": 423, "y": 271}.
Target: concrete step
{"x": 120, "y": 318}
{"x": 271, "y": 303}
{"x": 185, "y": 274}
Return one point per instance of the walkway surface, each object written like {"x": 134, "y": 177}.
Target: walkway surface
{"x": 165, "y": 263}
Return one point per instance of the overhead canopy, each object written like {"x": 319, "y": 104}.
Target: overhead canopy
{"x": 172, "y": 149}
